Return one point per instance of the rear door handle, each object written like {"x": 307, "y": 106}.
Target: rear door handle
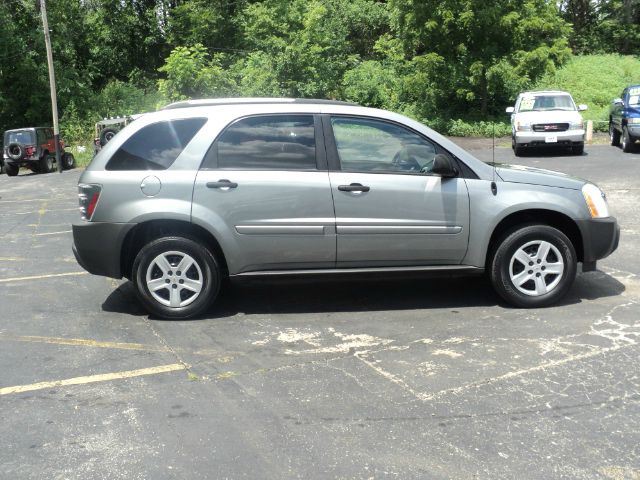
{"x": 222, "y": 183}
{"x": 354, "y": 187}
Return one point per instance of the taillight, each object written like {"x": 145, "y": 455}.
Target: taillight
{"x": 29, "y": 150}
{"x": 88, "y": 195}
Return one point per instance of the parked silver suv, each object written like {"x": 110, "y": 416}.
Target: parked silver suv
{"x": 205, "y": 189}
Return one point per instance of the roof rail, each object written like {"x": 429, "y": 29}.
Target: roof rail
{"x": 205, "y": 102}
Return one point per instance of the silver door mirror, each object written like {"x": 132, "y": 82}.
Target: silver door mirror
{"x": 510, "y": 110}
{"x": 443, "y": 166}
{"x": 618, "y": 101}
{"x": 582, "y": 107}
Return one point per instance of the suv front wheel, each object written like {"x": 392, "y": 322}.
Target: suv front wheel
{"x": 176, "y": 277}
{"x": 533, "y": 266}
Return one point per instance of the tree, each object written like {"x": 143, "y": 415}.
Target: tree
{"x": 488, "y": 50}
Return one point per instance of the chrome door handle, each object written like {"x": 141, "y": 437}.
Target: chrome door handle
{"x": 222, "y": 183}
{"x": 354, "y": 187}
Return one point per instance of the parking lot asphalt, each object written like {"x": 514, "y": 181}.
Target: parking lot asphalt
{"x": 377, "y": 378}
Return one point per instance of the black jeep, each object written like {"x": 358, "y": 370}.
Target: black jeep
{"x": 33, "y": 148}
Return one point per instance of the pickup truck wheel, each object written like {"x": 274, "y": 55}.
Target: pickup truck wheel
{"x": 68, "y": 161}
{"x": 614, "y": 135}
{"x": 46, "y": 163}
{"x": 11, "y": 169}
{"x": 577, "y": 149}
{"x": 627, "y": 142}
{"x": 176, "y": 277}
{"x": 533, "y": 266}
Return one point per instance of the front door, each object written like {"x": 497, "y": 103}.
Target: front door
{"x": 390, "y": 210}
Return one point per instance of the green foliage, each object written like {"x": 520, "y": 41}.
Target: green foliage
{"x": 594, "y": 80}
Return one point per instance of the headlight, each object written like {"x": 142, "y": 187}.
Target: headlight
{"x": 596, "y": 201}
{"x": 523, "y": 127}
{"x": 633, "y": 120}
{"x": 576, "y": 125}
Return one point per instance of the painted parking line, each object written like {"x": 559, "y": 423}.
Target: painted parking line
{"x": 105, "y": 377}
{"x": 40, "y": 277}
{"x": 52, "y": 233}
{"x": 82, "y": 342}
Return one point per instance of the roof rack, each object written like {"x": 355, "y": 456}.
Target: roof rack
{"x": 205, "y": 102}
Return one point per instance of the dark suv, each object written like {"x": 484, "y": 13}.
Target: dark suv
{"x": 33, "y": 148}
{"x": 624, "y": 119}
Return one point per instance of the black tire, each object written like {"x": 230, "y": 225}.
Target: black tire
{"x": 106, "y": 135}
{"x": 205, "y": 270}
{"x": 1, "y": 167}
{"x": 46, "y": 163}
{"x": 528, "y": 240}
{"x": 577, "y": 149}
{"x": 68, "y": 161}
{"x": 11, "y": 169}
{"x": 518, "y": 151}
{"x": 15, "y": 151}
{"x": 627, "y": 142}
{"x": 614, "y": 135}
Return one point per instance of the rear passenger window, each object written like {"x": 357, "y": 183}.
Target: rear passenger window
{"x": 273, "y": 142}
{"x": 156, "y": 146}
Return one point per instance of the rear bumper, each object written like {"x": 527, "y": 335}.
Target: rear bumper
{"x": 600, "y": 238}
{"x": 98, "y": 246}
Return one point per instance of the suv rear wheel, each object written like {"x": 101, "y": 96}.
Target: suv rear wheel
{"x": 11, "y": 169}
{"x": 533, "y": 266}
{"x": 176, "y": 277}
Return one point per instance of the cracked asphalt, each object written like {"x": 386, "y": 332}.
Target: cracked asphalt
{"x": 350, "y": 379}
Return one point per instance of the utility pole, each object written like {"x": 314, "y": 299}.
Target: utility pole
{"x": 52, "y": 83}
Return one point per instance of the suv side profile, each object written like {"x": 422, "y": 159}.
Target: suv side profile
{"x": 546, "y": 119}
{"x": 33, "y": 148}
{"x": 203, "y": 190}
{"x": 624, "y": 119}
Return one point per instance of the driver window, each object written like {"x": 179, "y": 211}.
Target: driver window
{"x": 366, "y": 145}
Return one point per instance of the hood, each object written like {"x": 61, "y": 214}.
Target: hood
{"x": 549, "y": 116}
{"x": 538, "y": 176}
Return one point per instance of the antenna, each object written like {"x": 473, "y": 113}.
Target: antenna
{"x": 494, "y": 187}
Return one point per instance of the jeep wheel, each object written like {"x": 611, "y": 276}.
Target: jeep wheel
{"x": 46, "y": 163}
{"x": 627, "y": 142}
{"x": 106, "y": 135}
{"x": 15, "y": 151}
{"x": 11, "y": 169}
{"x": 68, "y": 161}
{"x": 614, "y": 135}
{"x": 176, "y": 277}
{"x": 533, "y": 266}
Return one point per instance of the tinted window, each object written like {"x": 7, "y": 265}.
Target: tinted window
{"x": 24, "y": 137}
{"x": 375, "y": 146}
{"x": 156, "y": 146}
{"x": 274, "y": 142}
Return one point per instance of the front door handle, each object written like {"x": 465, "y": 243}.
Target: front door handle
{"x": 354, "y": 187}
{"x": 222, "y": 183}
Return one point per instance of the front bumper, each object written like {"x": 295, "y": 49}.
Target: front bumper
{"x": 98, "y": 246}
{"x": 600, "y": 237}
{"x": 539, "y": 139}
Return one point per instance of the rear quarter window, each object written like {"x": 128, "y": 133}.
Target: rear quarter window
{"x": 155, "y": 146}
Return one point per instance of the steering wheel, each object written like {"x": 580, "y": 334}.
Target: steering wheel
{"x": 403, "y": 161}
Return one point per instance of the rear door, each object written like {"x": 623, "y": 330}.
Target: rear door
{"x": 264, "y": 191}
{"x": 390, "y": 210}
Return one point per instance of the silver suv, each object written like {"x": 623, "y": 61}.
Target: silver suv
{"x": 206, "y": 189}
{"x": 546, "y": 119}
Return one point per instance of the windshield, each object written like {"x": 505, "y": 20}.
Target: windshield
{"x": 543, "y": 103}
{"x": 634, "y": 96}
{"x": 25, "y": 137}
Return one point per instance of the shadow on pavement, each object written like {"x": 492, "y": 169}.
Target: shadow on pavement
{"x": 361, "y": 295}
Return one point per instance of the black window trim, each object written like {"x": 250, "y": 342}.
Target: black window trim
{"x": 333, "y": 158}
{"x": 211, "y": 157}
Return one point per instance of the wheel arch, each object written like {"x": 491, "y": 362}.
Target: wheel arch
{"x": 551, "y": 218}
{"x": 150, "y": 230}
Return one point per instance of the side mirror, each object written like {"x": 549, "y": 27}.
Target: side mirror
{"x": 618, "y": 101}
{"x": 510, "y": 110}
{"x": 582, "y": 107}
{"x": 443, "y": 166}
